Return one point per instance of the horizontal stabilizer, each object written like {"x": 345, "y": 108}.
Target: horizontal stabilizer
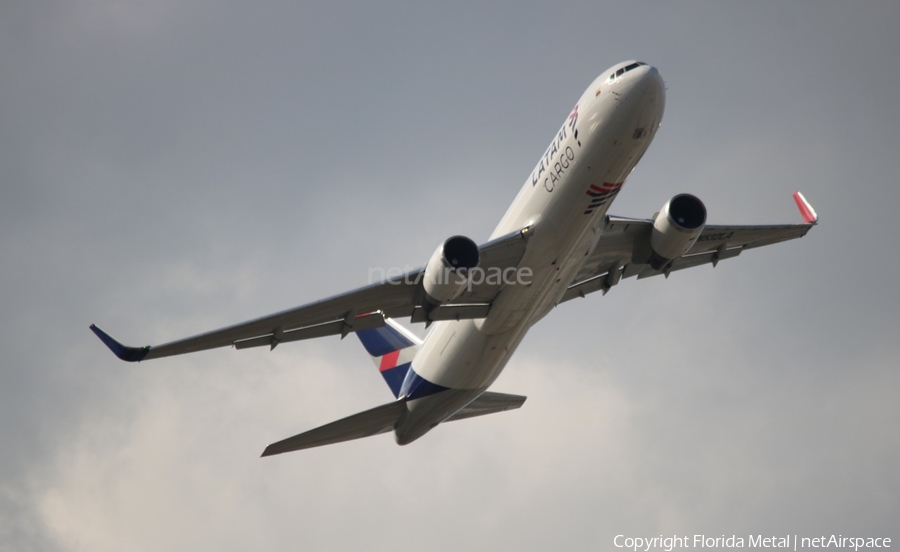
{"x": 488, "y": 403}
{"x": 380, "y": 419}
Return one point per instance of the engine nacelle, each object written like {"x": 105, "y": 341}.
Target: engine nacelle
{"x": 675, "y": 229}
{"x": 446, "y": 273}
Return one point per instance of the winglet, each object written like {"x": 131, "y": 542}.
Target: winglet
{"x": 128, "y": 354}
{"x": 806, "y": 211}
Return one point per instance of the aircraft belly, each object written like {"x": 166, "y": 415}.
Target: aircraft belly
{"x": 465, "y": 357}
{"x": 424, "y": 414}
{"x": 459, "y": 355}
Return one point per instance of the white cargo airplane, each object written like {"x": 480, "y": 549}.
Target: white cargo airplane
{"x": 555, "y": 243}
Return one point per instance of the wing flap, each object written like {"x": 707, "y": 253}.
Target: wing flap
{"x": 341, "y": 327}
{"x": 451, "y": 312}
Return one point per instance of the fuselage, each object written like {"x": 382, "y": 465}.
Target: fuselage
{"x": 564, "y": 202}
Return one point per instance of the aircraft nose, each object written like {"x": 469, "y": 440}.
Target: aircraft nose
{"x": 648, "y": 82}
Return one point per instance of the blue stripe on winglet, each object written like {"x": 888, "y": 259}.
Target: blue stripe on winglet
{"x": 128, "y": 354}
{"x": 381, "y": 341}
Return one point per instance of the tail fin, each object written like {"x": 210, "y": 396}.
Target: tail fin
{"x": 392, "y": 348}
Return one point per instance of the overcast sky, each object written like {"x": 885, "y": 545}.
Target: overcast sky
{"x": 167, "y": 168}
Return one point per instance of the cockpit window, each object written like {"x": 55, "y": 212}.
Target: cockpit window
{"x": 623, "y": 70}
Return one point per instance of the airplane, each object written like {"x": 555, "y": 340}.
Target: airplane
{"x": 555, "y": 243}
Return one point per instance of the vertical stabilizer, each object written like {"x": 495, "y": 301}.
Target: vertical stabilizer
{"x": 392, "y": 348}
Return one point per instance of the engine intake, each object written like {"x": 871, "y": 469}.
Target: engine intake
{"x": 675, "y": 229}
{"x": 446, "y": 273}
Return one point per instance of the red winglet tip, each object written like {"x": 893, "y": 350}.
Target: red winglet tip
{"x": 806, "y": 211}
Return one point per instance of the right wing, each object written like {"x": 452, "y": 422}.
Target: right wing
{"x": 361, "y": 309}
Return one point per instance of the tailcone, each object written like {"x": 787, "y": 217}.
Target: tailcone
{"x": 428, "y": 412}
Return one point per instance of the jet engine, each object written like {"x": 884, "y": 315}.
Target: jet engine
{"x": 446, "y": 273}
{"x": 675, "y": 229}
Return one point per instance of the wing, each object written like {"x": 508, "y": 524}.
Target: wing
{"x": 361, "y": 309}
{"x": 623, "y": 250}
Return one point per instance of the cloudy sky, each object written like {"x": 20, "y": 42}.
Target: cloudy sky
{"x": 168, "y": 168}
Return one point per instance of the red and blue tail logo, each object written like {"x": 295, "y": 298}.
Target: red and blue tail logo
{"x": 392, "y": 348}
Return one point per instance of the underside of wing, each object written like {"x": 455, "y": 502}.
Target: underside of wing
{"x": 361, "y": 309}
{"x": 624, "y": 251}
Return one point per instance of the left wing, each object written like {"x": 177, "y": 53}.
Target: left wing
{"x": 623, "y": 250}
{"x": 361, "y": 309}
